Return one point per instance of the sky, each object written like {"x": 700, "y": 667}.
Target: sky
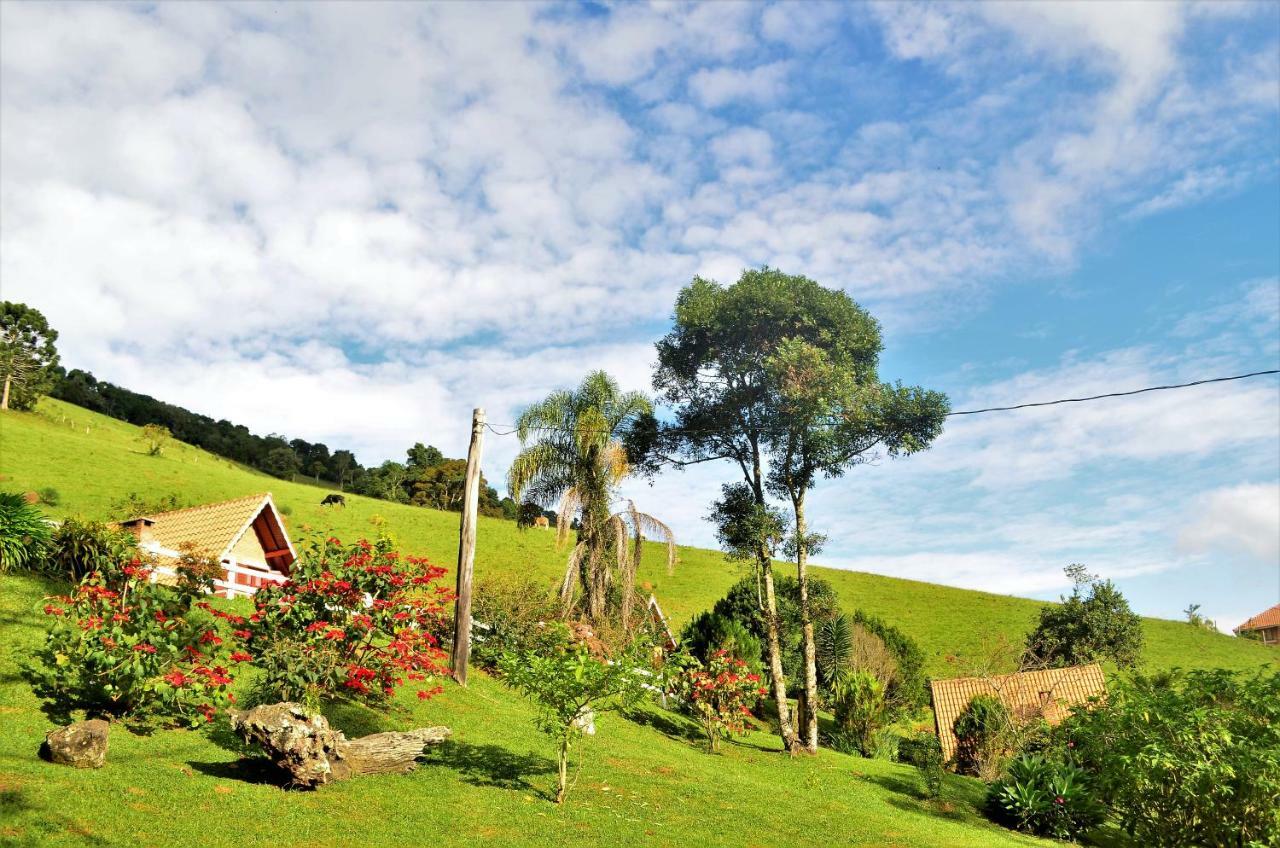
{"x": 355, "y": 223}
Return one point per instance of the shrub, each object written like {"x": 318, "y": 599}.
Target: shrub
{"x": 924, "y": 751}
{"x": 79, "y": 547}
{"x": 354, "y": 622}
{"x": 133, "y": 504}
{"x": 884, "y": 745}
{"x": 50, "y": 496}
{"x": 513, "y": 615}
{"x": 24, "y": 535}
{"x": 908, "y": 689}
{"x": 1186, "y": 758}
{"x": 155, "y": 437}
{"x": 859, "y": 706}
{"x": 709, "y": 632}
{"x": 1087, "y": 627}
{"x": 984, "y": 733}
{"x": 1047, "y": 798}
{"x": 121, "y": 645}
{"x": 569, "y": 686}
{"x": 721, "y": 695}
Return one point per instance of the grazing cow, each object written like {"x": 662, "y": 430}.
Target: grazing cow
{"x": 541, "y": 521}
{"x": 333, "y": 500}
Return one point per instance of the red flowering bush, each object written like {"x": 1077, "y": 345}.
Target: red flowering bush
{"x": 720, "y": 694}
{"x": 121, "y": 645}
{"x": 354, "y": 622}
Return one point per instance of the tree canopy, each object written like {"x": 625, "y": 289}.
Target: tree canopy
{"x": 28, "y": 355}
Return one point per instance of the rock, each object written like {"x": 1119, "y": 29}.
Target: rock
{"x": 315, "y": 754}
{"x": 82, "y": 745}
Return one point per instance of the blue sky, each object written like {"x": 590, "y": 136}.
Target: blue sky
{"x": 353, "y": 223}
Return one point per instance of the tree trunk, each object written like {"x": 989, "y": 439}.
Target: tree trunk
{"x": 314, "y": 754}
{"x": 562, "y": 761}
{"x": 774, "y": 646}
{"x": 4, "y": 402}
{"x": 809, "y": 716}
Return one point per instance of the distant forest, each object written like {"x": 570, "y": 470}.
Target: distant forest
{"x": 426, "y": 478}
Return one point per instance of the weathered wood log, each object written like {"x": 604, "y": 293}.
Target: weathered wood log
{"x": 314, "y": 754}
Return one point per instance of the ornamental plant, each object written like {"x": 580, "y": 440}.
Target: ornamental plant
{"x": 1047, "y": 798}
{"x": 721, "y": 695}
{"x": 570, "y": 685}
{"x": 120, "y": 645}
{"x": 24, "y": 535}
{"x": 354, "y": 622}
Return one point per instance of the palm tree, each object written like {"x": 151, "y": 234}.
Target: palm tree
{"x": 577, "y": 461}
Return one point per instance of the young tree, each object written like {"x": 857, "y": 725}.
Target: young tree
{"x": 778, "y": 372}
{"x": 570, "y": 686}
{"x": 28, "y": 357}
{"x": 155, "y": 437}
{"x": 577, "y": 461}
{"x": 1087, "y": 626}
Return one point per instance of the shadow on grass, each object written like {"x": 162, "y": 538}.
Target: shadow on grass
{"x": 488, "y": 765}
{"x": 669, "y": 724}
{"x": 40, "y": 825}
{"x": 249, "y": 770}
{"x": 909, "y": 796}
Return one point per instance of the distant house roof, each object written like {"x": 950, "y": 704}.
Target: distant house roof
{"x": 1049, "y": 693}
{"x": 218, "y": 527}
{"x": 1263, "y": 620}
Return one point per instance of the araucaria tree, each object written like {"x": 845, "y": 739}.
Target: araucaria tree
{"x": 778, "y": 375}
{"x": 573, "y": 455}
{"x": 28, "y": 358}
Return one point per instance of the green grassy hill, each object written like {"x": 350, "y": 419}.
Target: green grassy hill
{"x": 643, "y": 780}
{"x": 94, "y": 461}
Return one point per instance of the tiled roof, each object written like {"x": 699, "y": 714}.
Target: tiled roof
{"x": 1048, "y": 693}
{"x": 214, "y": 528}
{"x": 1269, "y": 618}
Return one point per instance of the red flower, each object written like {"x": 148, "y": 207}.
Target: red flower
{"x": 145, "y": 648}
{"x": 241, "y": 634}
{"x": 161, "y": 617}
{"x": 241, "y": 656}
{"x": 50, "y": 609}
{"x": 335, "y": 635}
{"x": 210, "y": 638}
{"x": 176, "y": 678}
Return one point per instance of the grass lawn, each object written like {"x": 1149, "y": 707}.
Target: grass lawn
{"x": 643, "y": 780}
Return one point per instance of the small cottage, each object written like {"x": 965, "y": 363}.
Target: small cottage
{"x": 1029, "y": 695}
{"x": 246, "y": 534}
{"x": 1265, "y": 624}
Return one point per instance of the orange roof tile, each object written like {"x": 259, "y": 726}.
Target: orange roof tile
{"x": 1268, "y": 618}
{"x": 216, "y": 527}
{"x": 1049, "y": 693}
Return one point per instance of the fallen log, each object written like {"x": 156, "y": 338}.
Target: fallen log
{"x": 315, "y": 754}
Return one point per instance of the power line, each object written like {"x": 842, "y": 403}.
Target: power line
{"x": 510, "y": 429}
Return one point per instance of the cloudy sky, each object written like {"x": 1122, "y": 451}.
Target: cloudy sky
{"x": 353, "y": 223}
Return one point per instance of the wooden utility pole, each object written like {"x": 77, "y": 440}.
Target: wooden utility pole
{"x": 467, "y": 550}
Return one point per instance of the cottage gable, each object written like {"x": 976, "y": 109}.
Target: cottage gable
{"x": 246, "y": 534}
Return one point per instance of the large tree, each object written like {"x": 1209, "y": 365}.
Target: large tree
{"x": 573, "y": 456}
{"x": 28, "y": 357}
{"x": 778, "y": 376}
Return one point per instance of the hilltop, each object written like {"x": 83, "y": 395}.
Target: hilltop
{"x": 95, "y": 461}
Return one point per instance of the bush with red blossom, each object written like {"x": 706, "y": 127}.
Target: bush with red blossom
{"x": 354, "y": 622}
{"x": 120, "y": 645}
{"x": 720, "y": 694}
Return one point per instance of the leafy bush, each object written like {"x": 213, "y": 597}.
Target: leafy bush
{"x": 1047, "y": 798}
{"x": 858, "y": 702}
{"x": 569, "y": 686}
{"x": 924, "y": 751}
{"x": 1186, "y": 758}
{"x": 121, "y": 645}
{"x": 79, "y": 547}
{"x": 518, "y": 616}
{"x": 50, "y": 496}
{"x": 24, "y": 535}
{"x": 1088, "y": 627}
{"x": 741, "y": 604}
{"x": 721, "y": 695}
{"x": 909, "y": 688}
{"x": 709, "y": 632}
{"x": 862, "y": 642}
{"x": 983, "y": 733}
{"x": 133, "y": 504}
{"x": 353, "y": 622}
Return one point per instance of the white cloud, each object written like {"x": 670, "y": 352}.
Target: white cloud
{"x": 1240, "y": 520}
{"x": 715, "y": 87}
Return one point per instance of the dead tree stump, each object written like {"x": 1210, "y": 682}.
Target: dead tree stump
{"x": 314, "y": 754}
